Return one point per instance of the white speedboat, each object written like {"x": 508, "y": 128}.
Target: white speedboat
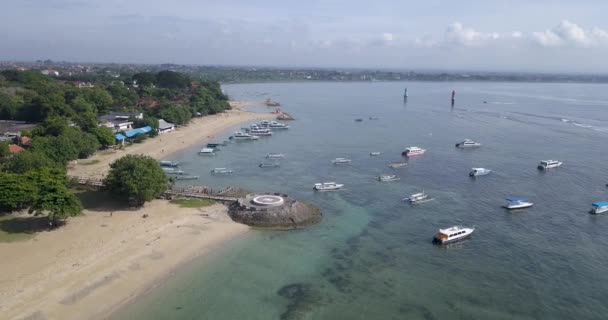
{"x": 260, "y": 132}
{"x": 468, "y": 144}
{"x": 221, "y": 171}
{"x": 417, "y": 197}
{"x": 452, "y": 234}
{"x": 517, "y": 203}
{"x": 165, "y": 163}
{"x": 269, "y": 165}
{"x": 207, "y": 152}
{"x": 599, "y": 207}
{"x": 341, "y": 161}
{"x": 277, "y": 125}
{"x": 396, "y": 165}
{"x": 239, "y": 135}
{"x": 479, "y": 172}
{"x": 388, "y": 178}
{"x": 548, "y": 164}
{"x": 275, "y": 156}
{"x": 413, "y": 151}
{"x": 328, "y": 186}
{"x": 374, "y": 154}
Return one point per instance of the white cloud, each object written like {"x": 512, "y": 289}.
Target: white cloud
{"x": 457, "y": 34}
{"x": 387, "y": 37}
{"x": 567, "y": 33}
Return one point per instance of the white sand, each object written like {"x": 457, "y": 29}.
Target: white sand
{"x": 98, "y": 262}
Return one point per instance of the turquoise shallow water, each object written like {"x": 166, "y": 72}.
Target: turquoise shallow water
{"x": 372, "y": 256}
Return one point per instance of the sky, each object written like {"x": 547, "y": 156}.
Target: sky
{"x": 476, "y": 35}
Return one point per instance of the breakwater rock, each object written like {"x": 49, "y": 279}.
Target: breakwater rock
{"x": 273, "y": 211}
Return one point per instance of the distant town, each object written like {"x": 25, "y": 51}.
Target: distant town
{"x": 85, "y": 74}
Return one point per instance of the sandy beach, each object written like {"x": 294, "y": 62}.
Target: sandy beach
{"x": 98, "y": 262}
{"x": 108, "y": 256}
{"x": 198, "y": 132}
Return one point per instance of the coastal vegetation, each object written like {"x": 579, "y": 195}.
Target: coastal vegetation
{"x": 136, "y": 179}
{"x": 66, "y": 112}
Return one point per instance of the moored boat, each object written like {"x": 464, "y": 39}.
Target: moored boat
{"x": 396, "y": 165}
{"x": 260, "y": 132}
{"x": 207, "y": 152}
{"x": 175, "y": 172}
{"x": 467, "y": 143}
{"x": 599, "y": 207}
{"x": 417, "y": 197}
{"x": 388, "y": 177}
{"x": 475, "y": 172}
{"x": 327, "y": 186}
{"x": 166, "y": 163}
{"x": 517, "y": 203}
{"x": 277, "y": 125}
{"x": 221, "y": 171}
{"x": 275, "y": 156}
{"x": 239, "y": 135}
{"x": 375, "y": 153}
{"x": 269, "y": 165}
{"x": 549, "y": 164}
{"x": 413, "y": 151}
{"x": 452, "y": 234}
{"x": 341, "y": 161}
{"x": 186, "y": 177}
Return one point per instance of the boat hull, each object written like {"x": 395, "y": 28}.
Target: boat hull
{"x": 518, "y": 206}
{"x": 447, "y": 241}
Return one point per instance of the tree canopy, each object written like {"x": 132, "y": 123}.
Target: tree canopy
{"x": 136, "y": 179}
{"x": 43, "y": 192}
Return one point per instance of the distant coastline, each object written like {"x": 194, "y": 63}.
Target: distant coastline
{"x": 266, "y": 74}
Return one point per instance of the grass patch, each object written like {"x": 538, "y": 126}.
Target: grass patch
{"x": 193, "y": 203}
{"x": 13, "y": 229}
{"x": 88, "y": 162}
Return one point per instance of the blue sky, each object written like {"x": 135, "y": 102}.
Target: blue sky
{"x": 516, "y": 35}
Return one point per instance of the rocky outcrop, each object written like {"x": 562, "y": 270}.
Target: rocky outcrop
{"x": 289, "y": 214}
{"x": 284, "y": 116}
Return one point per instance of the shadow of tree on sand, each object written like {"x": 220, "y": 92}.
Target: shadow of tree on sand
{"x": 101, "y": 201}
{"x": 27, "y": 225}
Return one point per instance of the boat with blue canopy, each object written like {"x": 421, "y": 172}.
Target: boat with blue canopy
{"x": 599, "y": 207}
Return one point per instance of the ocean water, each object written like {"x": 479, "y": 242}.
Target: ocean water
{"x": 372, "y": 256}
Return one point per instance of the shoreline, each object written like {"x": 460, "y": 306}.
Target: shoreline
{"x": 111, "y": 258}
{"x": 167, "y": 276}
{"x": 107, "y": 258}
{"x": 200, "y": 131}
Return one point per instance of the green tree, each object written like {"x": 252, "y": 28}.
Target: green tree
{"x": 171, "y": 79}
{"x": 144, "y": 78}
{"x": 136, "y": 178}
{"x": 53, "y": 126}
{"x": 53, "y": 196}
{"x": 16, "y": 193}
{"x": 100, "y": 98}
{"x": 29, "y": 160}
{"x": 87, "y": 121}
{"x": 4, "y": 149}
{"x": 104, "y": 136}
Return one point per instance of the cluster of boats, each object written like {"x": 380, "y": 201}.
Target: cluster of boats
{"x": 172, "y": 168}
{"x": 255, "y": 131}
{"x": 454, "y": 233}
